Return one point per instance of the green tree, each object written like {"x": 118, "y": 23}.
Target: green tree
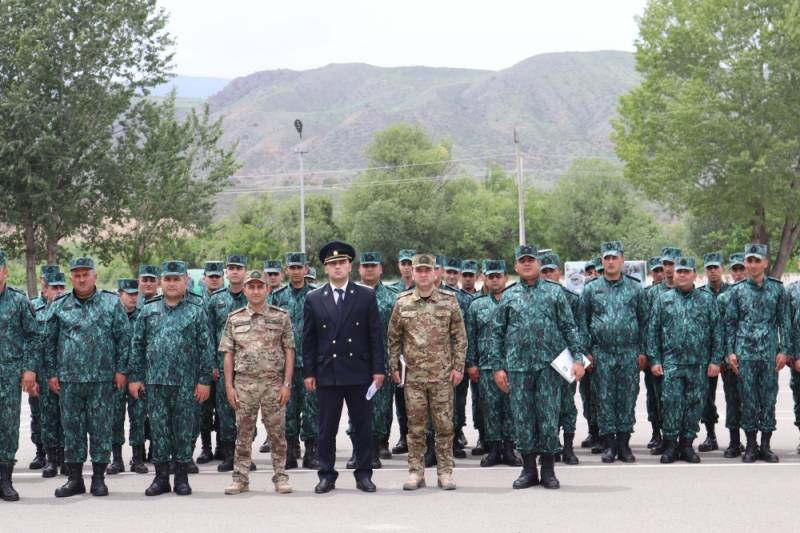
{"x": 713, "y": 127}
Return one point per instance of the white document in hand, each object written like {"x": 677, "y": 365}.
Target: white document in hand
{"x": 563, "y": 365}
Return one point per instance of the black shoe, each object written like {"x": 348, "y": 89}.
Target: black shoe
{"x": 493, "y": 456}
{"x": 51, "y": 466}
{"x": 659, "y": 448}
{"x": 191, "y": 467}
{"x": 735, "y": 447}
{"x": 591, "y": 439}
{"x": 670, "y": 453}
{"x": 383, "y": 448}
{"x": 376, "y": 453}
{"x": 710, "y": 444}
{"x": 402, "y": 446}
{"x": 227, "y": 462}
{"x": 655, "y": 438}
{"x": 568, "y": 452}
{"x": 686, "y": 451}
{"x": 430, "y": 455}
{"x": 610, "y": 448}
{"x": 265, "y": 448}
{"x": 459, "y": 453}
{"x": 624, "y": 449}
{"x": 461, "y": 439}
{"x": 365, "y": 485}
{"x": 38, "y": 461}
{"x": 160, "y": 484}
{"x": 253, "y": 467}
{"x": 7, "y": 491}
{"x": 137, "y": 462}
{"x": 182, "y": 487}
{"x": 324, "y": 485}
{"x": 74, "y": 484}
{"x": 219, "y": 453}
{"x": 98, "y": 486}
{"x": 751, "y": 451}
{"x": 529, "y": 477}
{"x": 291, "y": 455}
{"x": 310, "y": 460}
{"x": 480, "y": 447}
{"x": 116, "y": 465}
{"x": 599, "y": 442}
{"x": 509, "y": 455}
{"x": 206, "y": 456}
{"x": 549, "y": 479}
{"x": 765, "y": 453}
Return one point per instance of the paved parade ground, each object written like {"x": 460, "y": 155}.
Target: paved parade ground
{"x": 717, "y": 495}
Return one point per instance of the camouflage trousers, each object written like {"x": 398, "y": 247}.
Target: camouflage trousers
{"x": 477, "y": 413}
{"x": 589, "y": 402}
{"x": 568, "y": 414}
{"x": 226, "y": 432}
{"x": 172, "y": 410}
{"x": 434, "y": 400}
{"x": 50, "y": 416}
{"x": 794, "y": 384}
{"x": 758, "y": 386}
{"x": 495, "y": 408}
{"x": 710, "y": 413}
{"x": 382, "y": 410}
{"x": 616, "y": 385}
{"x": 683, "y": 393}
{"x": 34, "y": 405}
{"x": 259, "y": 392}
{"x": 302, "y": 411}
{"x": 206, "y": 421}
{"x": 86, "y": 408}
{"x": 136, "y": 417}
{"x": 535, "y": 406}
{"x": 400, "y": 410}
{"x": 652, "y": 385}
{"x": 733, "y": 399}
{"x": 10, "y": 403}
{"x": 460, "y": 405}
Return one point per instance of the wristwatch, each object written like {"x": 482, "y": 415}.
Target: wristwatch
{"x": 287, "y": 385}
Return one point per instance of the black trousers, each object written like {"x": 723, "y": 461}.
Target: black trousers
{"x": 330, "y": 401}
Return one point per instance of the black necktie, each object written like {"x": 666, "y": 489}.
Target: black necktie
{"x": 340, "y": 299}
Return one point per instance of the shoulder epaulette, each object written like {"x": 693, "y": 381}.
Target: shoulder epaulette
{"x": 156, "y": 298}
{"x": 62, "y": 295}
{"x": 570, "y": 291}
{"x": 551, "y": 281}
{"x": 241, "y": 309}
{"x": 739, "y": 282}
{"x": 195, "y": 301}
{"x": 42, "y": 305}
{"x": 634, "y": 278}
{"x": 512, "y": 285}
{"x": 276, "y": 308}
{"x": 392, "y": 289}
{"x": 585, "y": 283}
{"x": 106, "y": 291}
{"x": 479, "y": 296}
{"x": 280, "y": 289}
{"x": 775, "y": 279}
{"x": 447, "y": 293}
{"x": 221, "y": 289}
{"x": 406, "y": 293}
{"x": 13, "y": 289}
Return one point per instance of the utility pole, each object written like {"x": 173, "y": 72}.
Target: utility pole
{"x": 520, "y": 190}
{"x": 298, "y": 125}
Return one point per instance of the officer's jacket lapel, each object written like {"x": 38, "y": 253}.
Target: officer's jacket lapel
{"x": 349, "y": 302}
{"x": 330, "y": 306}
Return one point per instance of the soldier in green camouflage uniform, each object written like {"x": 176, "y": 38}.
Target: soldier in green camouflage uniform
{"x": 588, "y": 399}
{"x": 86, "y": 349}
{"x": 794, "y": 298}
{"x": 171, "y": 361}
{"x": 470, "y": 273}
{"x": 427, "y": 328}
{"x": 302, "y": 411}
{"x": 614, "y": 315}
{"x": 758, "y": 330}
{"x": 20, "y": 357}
{"x": 529, "y": 329}
{"x": 406, "y": 283}
{"x": 657, "y": 274}
{"x": 684, "y": 344}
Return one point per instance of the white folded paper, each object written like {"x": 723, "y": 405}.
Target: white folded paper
{"x": 563, "y": 364}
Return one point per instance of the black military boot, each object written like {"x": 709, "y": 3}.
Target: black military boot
{"x": 383, "y": 448}
{"x": 401, "y": 446}
{"x": 191, "y": 466}
{"x": 670, "y": 453}
{"x": 624, "y": 449}
{"x": 227, "y": 462}
{"x": 265, "y": 448}
{"x": 599, "y": 445}
{"x": 310, "y": 460}
{"x": 686, "y": 451}
{"x": 458, "y": 445}
{"x": 549, "y": 479}
{"x": 659, "y": 448}
{"x": 710, "y": 444}
{"x": 171, "y": 468}
{"x": 291, "y": 455}
{"x": 656, "y": 437}
{"x": 98, "y": 487}
{"x": 591, "y": 438}
{"x": 493, "y": 456}
{"x": 430, "y": 454}
{"x": 206, "y": 456}
{"x": 376, "y": 453}
{"x": 74, "y": 484}
{"x": 529, "y": 477}
{"x": 116, "y": 465}
{"x": 751, "y": 451}
{"x": 479, "y": 448}
{"x": 509, "y": 454}
{"x": 182, "y": 487}
{"x": 568, "y": 452}
{"x": 765, "y": 453}
{"x": 51, "y": 466}
{"x": 7, "y": 491}
{"x": 219, "y": 452}
{"x": 137, "y": 461}
{"x": 39, "y": 459}
{"x": 610, "y": 448}
{"x": 160, "y": 484}
{"x": 735, "y": 447}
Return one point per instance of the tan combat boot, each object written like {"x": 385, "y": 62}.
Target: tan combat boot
{"x": 415, "y": 481}
{"x": 446, "y": 482}
{"x": 237, "y": 487}
{"x": 282, "y": 487}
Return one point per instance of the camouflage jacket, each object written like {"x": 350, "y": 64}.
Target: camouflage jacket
{"x": 86, "y": 342}
{"x": 531, "y": 326}
{"x": 171, "y": 345}
{"x": 613, "y": 315}
{"x": 221, "y": 304}
{"x": 722, "y": 289}
{"x": 20, "y": 335}
{"x": 684, "y": 329}
{"x": 258, "y": 341}
{"x": 464, "y": 298}
{"x": 399, "y": 286}
{"x": 429, "y": 333}
{"x": 386, "y": 297}
{"x": 758, "y": 320}
{"x": 293, "y": 300}
{"x": 479, "y": 320}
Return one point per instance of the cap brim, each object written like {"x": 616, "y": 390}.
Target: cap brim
{"x": 533, "y": 256}
{"x": 254, "y": 280}
{"x": 748, "y": 256}
{"x": 367, "y": 263}
{"x": 272, "y": 270}
{"x": 335, "y": 258}
{"x": 611, "y": 253}
{"x": 487, "y": 272}
{"x": 130, "y": 291}
{"x": 235, "y": 264}
{"x": 81, "y": 267}
{"x": 712, "y": 264}
{"x": 679, "y": 268}
{"x": 550, "y": 266}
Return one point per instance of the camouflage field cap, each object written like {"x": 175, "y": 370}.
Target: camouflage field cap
{"x": 590, "y": 264}
{"x": 56, "y": 279}
{"x": 654, "y": 263}
{"x": 273, "y": 266}
{"x": 611, "y": 248}
{"x": 81, "y": 262}
{"x": 598, "y": 264}
{"x": 684, "y": 263}
{"x": 755, "y": 250}
{"x": 311, "y": 274}
{"x": 213, "y": 268}
{"x": 736, "y": 260}
{"x": 131, "y": 286}
{"x": 44, "y": 270}
{"x": 236, "y": 260}
{"x": 469, "y": 266}
{"x": 255, "y": 275}
{"x": 149, "y": 271}
{"x": 370, "y": 258}
{"x": 295, "y": 259}
{"x": 550, "y": 261}
{"x": 525, "y": 250}
{"x": 713, "y": 259}
{"x": 452, "y": 263}
{"x": 423, "y": 260}
{"x": 406, "y": 255}
{"x": 494, "y": 266}
{"x": 173, "y": 268}
{"x": 670, "y": 254}
{"x": 439, "y": 261}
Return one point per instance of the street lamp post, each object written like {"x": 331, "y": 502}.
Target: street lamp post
{"x": 298, "y": 125}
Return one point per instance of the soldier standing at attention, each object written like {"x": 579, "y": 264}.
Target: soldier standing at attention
{"x": 273, "y": 268}
{"x": 406, "y": 283}
{"x": 428, "y": 329}
{"x": 589, "y": 398}
{"x": 213, "y": 280}
{"x": 652, "y": 394}
{"x": 469, "y": 276}
{"x": 259, "y": 361}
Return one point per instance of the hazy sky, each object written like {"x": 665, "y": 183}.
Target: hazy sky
{"x": 237, "y": 37}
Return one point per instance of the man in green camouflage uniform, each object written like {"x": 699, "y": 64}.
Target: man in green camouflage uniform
{"x": 427, "y": 328}
{"x": 657, "y": 274}
{"x": 149, "y": 284}
{"x": 758, "y": 330}
{"x": 793, "y": 290}
{"x": 684, "y": 344}
{"x": 86, "y": 349}
{"x": 613, "y": 314}
{"x": 171, "y": 361}
{"x": 20, "y": 357}
{"x": 529, "y": 329}
{"x": 406, "y": 283}
{"x": 213, "y": 280}
{"x": 302, "y": 411}
{"x": 470, "y": 272}
{"x": 588, "y": 398}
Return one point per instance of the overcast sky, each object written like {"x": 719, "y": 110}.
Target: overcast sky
{"x": 238, "y": 37}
